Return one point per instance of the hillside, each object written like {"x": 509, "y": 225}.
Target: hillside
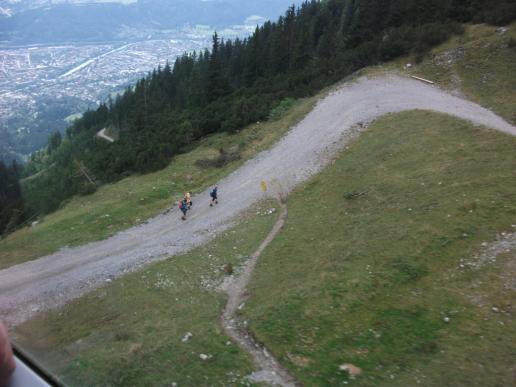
{"x": 240, "y": 82}
{"x": 383, "y": 263}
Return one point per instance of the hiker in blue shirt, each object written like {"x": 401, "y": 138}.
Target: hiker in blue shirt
{"x": 213, "y": 195}
{"x": 183, "y": 206}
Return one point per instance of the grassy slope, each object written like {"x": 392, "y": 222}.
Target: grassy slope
{"x": 135, "y": 199}
{"x": 129, "y": 332}
{"x": 479, "y": 65}
{"x": 368, "y": 280}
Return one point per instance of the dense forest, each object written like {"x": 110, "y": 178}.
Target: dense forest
{"x": 239, "y": 82}
{"x": 11, "y": 202}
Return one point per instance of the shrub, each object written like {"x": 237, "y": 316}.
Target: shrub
{"x": 228, "y": 268}
{"x": 224, "y": 158}
{"x": 408, "y": 269}
{"x": 283, "y": 107}
{"x": 87, "y": 189}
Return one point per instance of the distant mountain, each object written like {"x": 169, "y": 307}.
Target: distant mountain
{"x": 77, "y": 21}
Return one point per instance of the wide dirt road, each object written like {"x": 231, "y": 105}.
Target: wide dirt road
{"x": 53, "y": 280}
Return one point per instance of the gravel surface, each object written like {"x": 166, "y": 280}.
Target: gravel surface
{"x": 51, "y": 281}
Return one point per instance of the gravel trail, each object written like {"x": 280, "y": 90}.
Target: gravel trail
{"x": 51, "y": 281}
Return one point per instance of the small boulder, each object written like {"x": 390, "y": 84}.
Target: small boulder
{"x": 351, "y": 369}
{"x": 501, "y": 30}
{"x": 187, "y": 337}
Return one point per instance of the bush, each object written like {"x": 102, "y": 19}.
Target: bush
{"x": 283, "y": 107}
{"x": 398, "y": 42}
{"x": 228, "y": 269}
{"x": 87, "y": 189}
{"x": 408, "y": 269}
{"x": 224, "y": 158}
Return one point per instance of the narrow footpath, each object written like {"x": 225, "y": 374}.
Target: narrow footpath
{"x": 271, "y": 371}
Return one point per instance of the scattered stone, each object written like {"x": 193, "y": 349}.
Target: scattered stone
{"x": 241, "y": 306}
{"x": 187, "y": 337}
{"x": 204, "y": 357}
{"x": 351, "y": 369}
{"x": 495, "y": 309}
{"x": 108, "y": 280}
{"x": 500, "y": 31}
{"x": 446, "y": 319}
{"x": 34, "y": 224}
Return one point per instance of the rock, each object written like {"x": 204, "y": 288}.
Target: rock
{"x": 241, "y": 306}
{"x": 351, "y": 369}
{"x": 187, "y": 337}
{"x": 204, "y": 357}
{"x": 501, "y": 30}
{"x": 446, "y": 319}
{"x": 108, "y": 280}
{"x": 34, "y": 224}
{"x": 495, "y": 309}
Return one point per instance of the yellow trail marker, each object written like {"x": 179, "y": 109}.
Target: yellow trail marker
{"x": 264, "y": 186}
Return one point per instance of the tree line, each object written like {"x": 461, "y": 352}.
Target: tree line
{"x": 240, "y": 81}
{"x": 12, "y": 211}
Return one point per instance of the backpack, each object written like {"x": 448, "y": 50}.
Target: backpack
{"x": 213, "y": 193}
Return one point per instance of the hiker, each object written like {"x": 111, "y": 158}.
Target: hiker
{"x": 188, "y": 198}
{"x": 183, "y": 206}
{"x": 213, "y": 195}
{"x": 7, "y": 363}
